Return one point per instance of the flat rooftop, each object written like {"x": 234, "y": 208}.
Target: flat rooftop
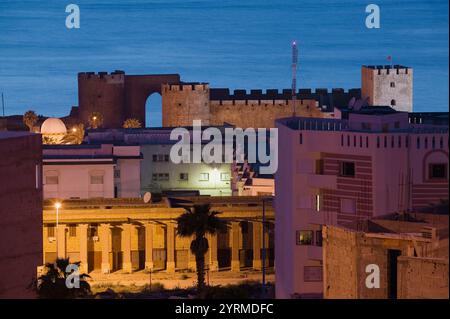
{"x": 14, "y": 134}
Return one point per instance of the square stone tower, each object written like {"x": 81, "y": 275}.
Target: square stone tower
{"x": 388, "y": 85}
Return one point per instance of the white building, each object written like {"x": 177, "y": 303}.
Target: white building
{"x": 87, "y": 171}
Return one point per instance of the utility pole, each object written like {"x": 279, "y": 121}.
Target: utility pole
{"x": 294, "y": 75}
{"x": 3, "y": 105}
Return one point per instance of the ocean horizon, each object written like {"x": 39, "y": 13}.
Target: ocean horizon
{"x": 234, "y": 44}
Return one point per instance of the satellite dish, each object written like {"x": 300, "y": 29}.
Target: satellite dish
{"x": 147, "y": 197}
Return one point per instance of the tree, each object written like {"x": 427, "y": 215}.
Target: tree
{"x": 74, "y": 136}
{"x": 95, "y": 120}
{"x": 132, "y": 123}
{"x": 199, "y": 221}
{"x": 52, "y": 283}
{"x": 30, "y": 118}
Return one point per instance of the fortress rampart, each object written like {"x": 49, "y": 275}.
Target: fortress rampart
{"x": 119, "y": 96}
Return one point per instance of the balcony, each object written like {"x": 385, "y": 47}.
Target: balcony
{"x": 322, "y": 181}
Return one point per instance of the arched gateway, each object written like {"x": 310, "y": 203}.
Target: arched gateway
{"x": 118, "y": 96}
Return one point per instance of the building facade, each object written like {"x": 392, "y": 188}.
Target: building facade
{"x": 387, "y": 259}
{"x": 338, "y": 171}
{"x": 128, "y": 235}
{"x": 89, "y": 171}
{"x": 20, "y": 212}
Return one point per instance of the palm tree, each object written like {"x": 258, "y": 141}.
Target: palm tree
{"x": 132, "y": 123}
{"x": 199, "y": 221}
{"x": 29, "y": 119}
{"x": 52, "y": 283}
{"x": 95, "y": 120}
{"x": 74, "y": 135}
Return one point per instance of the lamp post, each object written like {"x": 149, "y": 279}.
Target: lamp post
{"x": 57, "y": 206}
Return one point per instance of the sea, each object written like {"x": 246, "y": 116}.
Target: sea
{"x": 237, "y": 44}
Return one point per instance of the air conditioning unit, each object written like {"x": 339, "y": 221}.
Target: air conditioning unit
{"x": 51, "y": 239}
{"x": 95, "y": 238}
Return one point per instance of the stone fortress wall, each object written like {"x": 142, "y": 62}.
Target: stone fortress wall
{"x": 119, "y": 96}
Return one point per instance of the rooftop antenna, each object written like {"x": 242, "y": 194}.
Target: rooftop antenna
{"x": 3, "y": 105}
{"x": 294, "y": 74}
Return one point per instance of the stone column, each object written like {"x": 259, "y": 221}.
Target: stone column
{"x": 83, "y": 233}
{"x": 127, "y": 230}
{"x": 170, "y": 248}
{"x": 257, "y": 242}
{"x": 149, "y": 228}
{"x": 213, "y": 263}
{"x": 235, "y": 230}
{"x": 104, "y": 232}
{"x": 61, "y": 241}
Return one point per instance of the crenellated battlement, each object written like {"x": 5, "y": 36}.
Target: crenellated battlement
{"x": 185, "y": 87}
{"x": 223, "y": 94}
{"x": 117, "y": 75}
{"x": 389, "y": 69}
{"x": 287, "y": 102}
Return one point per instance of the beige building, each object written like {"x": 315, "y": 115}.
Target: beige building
{"x": 128, "y": 235}
{"x": 408, "y": 260}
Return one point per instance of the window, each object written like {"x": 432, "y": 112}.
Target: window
{"x": 224, "y": 176}
{"x": 366, "y": 126}
{"x": 51, "y": 180}
{"x": 204, "y": 176}
{"x": 160, "y": 158}
{"x": 155, "y": 158}
{"x": 348, "y": 206}
{"x": 305, "y": 237}
{"x": 184, "y": 176}
{"x": 392, "y": 84}
{"x": 166, "y": 158}
{"x": 348, "y": 169}
{"x": 438, "y": 171}
{"x": 96, "y": 179}
{"x": 385, "y": 127}
{"x": 50, "y": 231}
{"x": 116, "y": 173}
{"x": 378, "y": 142}
{"x": 301, "y": 138}
{"x": 319, "y": 238}
{"x": 397, "y": 124}
{"x": 72, "y": 231}
{"x": 393, "y": 102}
{"x": 319, "y": 166}
{"x": 154, "y": 177}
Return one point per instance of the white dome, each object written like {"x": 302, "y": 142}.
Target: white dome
{"x": 53, "y": 125}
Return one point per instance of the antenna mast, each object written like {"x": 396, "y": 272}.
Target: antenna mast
{"x": 294, "y": 75}
{"x": 3, "y": 105}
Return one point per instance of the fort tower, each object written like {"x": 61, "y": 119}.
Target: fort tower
{"x": 388, "y": 85}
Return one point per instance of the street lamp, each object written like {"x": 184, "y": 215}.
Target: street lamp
{"x": 57, "y": 206}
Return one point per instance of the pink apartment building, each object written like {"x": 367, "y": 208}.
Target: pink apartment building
{"x": 368, "y": 163}
{"x": 89, "y": 171}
